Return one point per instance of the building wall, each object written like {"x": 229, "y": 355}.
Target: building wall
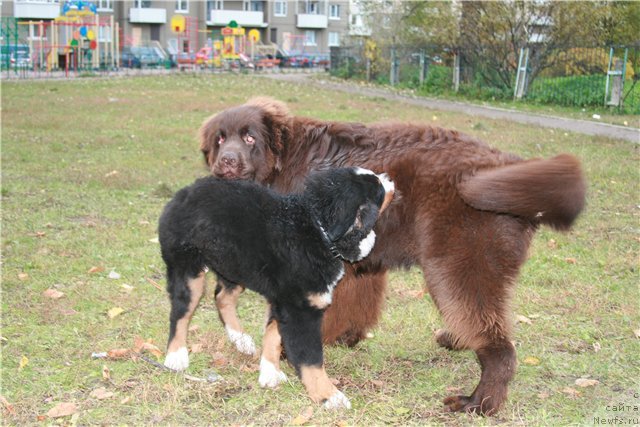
{"x": 277, "y": 26}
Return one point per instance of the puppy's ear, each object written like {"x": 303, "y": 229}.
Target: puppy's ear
{"x": 332, "y": 202}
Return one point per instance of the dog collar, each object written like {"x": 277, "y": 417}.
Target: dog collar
{"x": 332, "y": 247}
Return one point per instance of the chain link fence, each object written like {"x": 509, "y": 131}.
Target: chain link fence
{"x": 573, "y": 77}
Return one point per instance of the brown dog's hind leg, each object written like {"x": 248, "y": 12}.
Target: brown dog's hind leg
{"x": 183, "y": 304}
{"x": 470, "y": 277}
{"x": 227, "y": 303}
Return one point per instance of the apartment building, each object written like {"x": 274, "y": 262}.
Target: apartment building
{"x": 309, "y": 26}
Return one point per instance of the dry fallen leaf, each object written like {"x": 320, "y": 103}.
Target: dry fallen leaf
{"x": 543, "y": 395}
{"x": 24, "y": 361}
{"x": 531, "y": 361}
{"x": 62, "y": 410}
{"x": 115, "y": 312}
{"x": 196, "y": 348}
{"x": 571, "y": 260}
{"x": 125, "y": 400}
{"x": 140, "y": 345}
{"x": 303, "y": 417}
{"x": 637, "y": 333}
{"x": 219, "y": 360}
{"x": 552, "y": 244}
{"x": 53, "y": 294}
{"x": 522, "y": 319}
{"x": 572, "y": 392}
{"x": 96, "y": 269}
{"x": 584, "y": 382}
{"x": 106, "y": 373}
{"x": 23, "y": 276}
{"x": 7, "y": 406}
{"x": 119, "y": 353}
{"x": 101, "y": 393}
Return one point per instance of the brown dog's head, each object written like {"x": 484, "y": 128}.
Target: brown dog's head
{"x": 246, "y": 142}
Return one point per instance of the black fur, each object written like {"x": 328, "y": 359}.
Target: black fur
{"x": 279, "y": 246}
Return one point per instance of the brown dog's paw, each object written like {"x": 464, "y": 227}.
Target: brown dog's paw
{"x": 469, "y": 405}
{"x": 444, "y": 339}
{"x": 456, "y": 403}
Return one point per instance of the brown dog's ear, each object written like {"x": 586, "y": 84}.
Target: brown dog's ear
{"x": 277, "y": 118}
{"x": 207, "y": 134}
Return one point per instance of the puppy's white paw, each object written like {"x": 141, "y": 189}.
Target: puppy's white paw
{"x": 270, "y": 376}
{"x": 177, "y": 360}
{"x": 243, "y": 342}
{"x": 337, "y": 401}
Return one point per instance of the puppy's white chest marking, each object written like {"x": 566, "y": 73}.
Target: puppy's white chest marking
{"x": 324, "y": 299}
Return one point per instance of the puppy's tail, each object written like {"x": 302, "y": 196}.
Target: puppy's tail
{"x": 549, "y": 191}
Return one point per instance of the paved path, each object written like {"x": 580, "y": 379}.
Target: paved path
{"x": 572, "y": 125}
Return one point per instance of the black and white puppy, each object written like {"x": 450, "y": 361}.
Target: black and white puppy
{"x": 287, "y": 248}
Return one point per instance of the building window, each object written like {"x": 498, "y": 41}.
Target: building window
{"x": 310, "y": 38}
{"x": 182, "y": 6}
{"x": 104, "y": 34}
{"x": 334, "y": 39}
{"x": 105, "y": 5}
{"x": 253, "y": 6}
{"x": 334, "y": 11}
{"x": 214, "y": 5}
{"x": 145, "y": 4}
{"x": 280, "y": 8}
{"x": 312, "y": 7}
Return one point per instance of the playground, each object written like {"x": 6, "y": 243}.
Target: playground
{"x": 81, "y": 41}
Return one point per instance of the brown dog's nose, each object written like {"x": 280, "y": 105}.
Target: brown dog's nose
{"x": 230, "y": 159}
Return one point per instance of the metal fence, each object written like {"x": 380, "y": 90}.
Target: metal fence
{"x": 574, "y": 77}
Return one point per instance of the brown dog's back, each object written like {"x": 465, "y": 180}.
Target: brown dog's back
{"x": 551, "y": 191}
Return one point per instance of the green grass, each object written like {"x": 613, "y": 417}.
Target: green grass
{"x": 87, "y": 166}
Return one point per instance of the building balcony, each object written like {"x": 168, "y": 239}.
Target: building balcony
{"x": 243, "y": 18}
{"x": 36, "y": 9}
{"x": 147, "y": 15}
{"x": 306, "y": 20}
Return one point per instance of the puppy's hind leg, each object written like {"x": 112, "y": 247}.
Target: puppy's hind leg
{"x": 227, "y": 302}
{"x": 185, "y": 293}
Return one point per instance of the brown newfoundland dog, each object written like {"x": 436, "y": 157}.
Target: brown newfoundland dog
{"x": 464, "y": 212}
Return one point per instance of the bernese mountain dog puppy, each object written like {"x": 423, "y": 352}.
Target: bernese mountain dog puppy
{"x": 288, "y": 248}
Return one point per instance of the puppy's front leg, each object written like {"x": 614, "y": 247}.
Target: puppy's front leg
{"x": 270, "y": 373}
{"x": 301, "y": 334}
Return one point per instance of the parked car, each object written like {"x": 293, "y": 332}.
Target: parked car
{"x": 16, "y": 56}
{"x": 141, "y": 56}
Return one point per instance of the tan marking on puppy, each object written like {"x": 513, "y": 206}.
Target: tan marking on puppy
{"x": 319, "y": 301}
{"x": 226, "y": 302}
{"x": 196, "y": 286}
{"x": 272, "y": 344}
{"x": 317, "y": 383}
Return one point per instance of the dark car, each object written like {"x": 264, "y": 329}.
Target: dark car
{"x": 141, "y": 56}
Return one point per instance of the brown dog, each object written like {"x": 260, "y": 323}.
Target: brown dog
{"x": 464, "y": 212}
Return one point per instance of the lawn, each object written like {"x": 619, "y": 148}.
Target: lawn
{"x": 87, "y": 166}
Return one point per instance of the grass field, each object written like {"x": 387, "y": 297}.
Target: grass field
{"x": 87, "y": 166}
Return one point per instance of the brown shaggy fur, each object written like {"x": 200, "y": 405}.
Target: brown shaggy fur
{"x": 464, "y": 212}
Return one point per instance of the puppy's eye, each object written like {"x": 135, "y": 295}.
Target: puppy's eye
{"x": 220, "y": 140}
{"x": 250, "y": 140}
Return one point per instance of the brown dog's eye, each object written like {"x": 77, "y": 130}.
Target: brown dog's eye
{"x": 220, "y": 140}
{"x": 249, "y": 139}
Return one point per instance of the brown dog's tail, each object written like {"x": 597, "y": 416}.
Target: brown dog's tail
{"x": 550, "y": 191}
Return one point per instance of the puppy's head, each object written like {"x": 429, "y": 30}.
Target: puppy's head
{"x": 245, "y": 142}
{"x": 346, "y": 203}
